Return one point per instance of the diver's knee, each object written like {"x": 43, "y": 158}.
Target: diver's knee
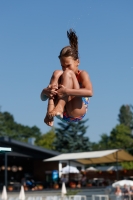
{"x": 68, "y": 72}
{"x": 57, "y": 73}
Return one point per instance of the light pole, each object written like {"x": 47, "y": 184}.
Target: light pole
{"x": 5, "y": 169}
{"x": 5, "y": 150}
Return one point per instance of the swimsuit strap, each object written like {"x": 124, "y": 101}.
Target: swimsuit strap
{"x": 78, "y": 75}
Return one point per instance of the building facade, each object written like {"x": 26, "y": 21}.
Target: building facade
{"x": 25, "y": 161}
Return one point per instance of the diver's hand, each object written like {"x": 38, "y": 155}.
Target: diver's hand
{"x": 61, "y": 92}
{"x": 50, "y": 91}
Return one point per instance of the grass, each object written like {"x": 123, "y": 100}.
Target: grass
{"x": 72, "y": 192}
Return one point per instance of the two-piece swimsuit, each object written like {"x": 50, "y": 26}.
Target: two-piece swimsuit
{"x": 85, "y": 101}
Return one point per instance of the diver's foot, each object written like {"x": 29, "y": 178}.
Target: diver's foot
{"x": 58, "y": 110}
{"x": 49, "y": 121}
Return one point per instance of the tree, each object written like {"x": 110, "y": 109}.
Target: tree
{"x": 6, "y": 123}
{"x": 70, "y": 137}
{"x": 102, "y": 144}
{"x": 46, "y": 140}
{"x": 15, "y": 130}
{"x": 94, "y": 146}
{"x": 2, "y": 127}
{"x": 120, "y": 137}
{"x": 127, "y": 165}
{"x": 126, "y": 115}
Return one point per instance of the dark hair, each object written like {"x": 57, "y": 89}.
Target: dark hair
{"x": 71, "y": 50}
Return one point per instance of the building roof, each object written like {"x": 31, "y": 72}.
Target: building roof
{"x": 25, "y": 149}
{"x": 95, "y": 157}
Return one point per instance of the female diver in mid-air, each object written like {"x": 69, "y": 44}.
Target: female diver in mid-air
{"x": 70, "y": 88}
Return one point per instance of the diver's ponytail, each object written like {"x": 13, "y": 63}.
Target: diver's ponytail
{"x": 73, "y": 39}
{"x": 71, "y": 50}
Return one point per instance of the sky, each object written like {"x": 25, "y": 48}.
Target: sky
{"x": 33, "y": 32}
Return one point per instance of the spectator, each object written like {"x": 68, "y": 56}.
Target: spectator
{"x": 118, "y": 193}
{"x": 131, "y": 192}
{"x": 23, "y": 181}
{"x": 64, "y": 179}
{"x": 125, "y": 192}
{"x": 83, "y": 181}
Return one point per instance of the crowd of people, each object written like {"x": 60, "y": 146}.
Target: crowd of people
{"x": 80, "y": 181}
{"x": 125, "y": 193}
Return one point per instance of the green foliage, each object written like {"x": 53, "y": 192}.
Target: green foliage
{"x": 70, "y": 137}
{"x": 2, "y": 127}
{"x": 46, "y": 140}
{"x": 72, "y": 192}
{"x": 15, "y": 130}
{"x": 102, "y": 144}
{"x": 126, "y": 115}
{"x": 95, "y": 146}
{"x": 120, "y": 137}
{"x": 127, "y": 165}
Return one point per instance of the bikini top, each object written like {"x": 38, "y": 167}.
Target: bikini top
{"x": 78, "y": 76}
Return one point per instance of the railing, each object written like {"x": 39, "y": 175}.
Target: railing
{"x": 71, "y": 197}
{"x": 112, "y": 197}
{"x": 44, "y": 196}
{"x": 100, "y": 197}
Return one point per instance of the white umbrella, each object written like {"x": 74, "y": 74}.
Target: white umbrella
{"x": 121, "y": 183}
{"x": 91, "y": 169}
{"x": 21, "y": 194}
{"x": 69, "y": 169}
{"x": 4, "y": 193}
{"x": 63, "y": 189}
